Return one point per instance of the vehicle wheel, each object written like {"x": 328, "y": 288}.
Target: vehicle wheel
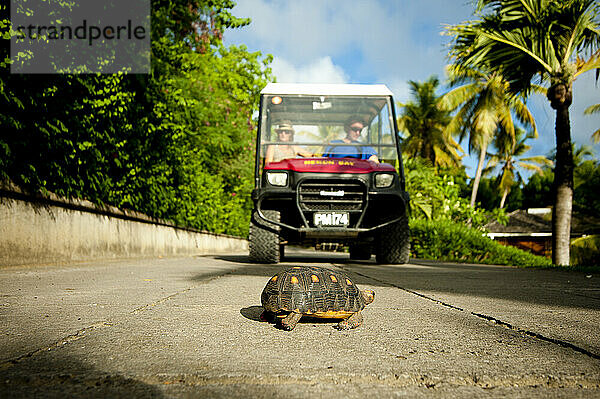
{"x": 264, "y": 242}
{"x": 393, "y": 245}
{"x": 360, "y": 252}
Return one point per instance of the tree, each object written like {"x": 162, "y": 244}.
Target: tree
{"x": 175, "y": 144}
{"x": 436, "y": 196}
{"x": 587, "y": 184}
{"x": 509, "y": 158}
{"x": 485, "y": 110}
{"x": 425, "y": 121}
{"x": 547, "y": 40}
{"x": 537, "y": 192}
{"x": 586, "y": 181}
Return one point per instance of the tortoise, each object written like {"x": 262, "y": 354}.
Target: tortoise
{"x": 313, "y": 292}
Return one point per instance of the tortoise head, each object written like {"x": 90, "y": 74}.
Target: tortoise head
{"x": 368, "y": 296}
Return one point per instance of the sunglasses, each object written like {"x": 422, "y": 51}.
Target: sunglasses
{"x": 356, "y": 129}
{"x": 285, "y": 131}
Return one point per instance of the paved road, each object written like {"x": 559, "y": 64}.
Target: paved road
{"x": 189, "y": 327}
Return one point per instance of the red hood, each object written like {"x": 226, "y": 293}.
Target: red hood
{"x": 330, "y": 165}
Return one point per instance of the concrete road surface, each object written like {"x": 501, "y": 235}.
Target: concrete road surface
{"x": 190, "y": 327}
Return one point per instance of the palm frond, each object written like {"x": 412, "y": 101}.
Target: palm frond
{"x": 593, "y": 62}
{"x": 525, "y": 39}
{"x": 592, "y": 109}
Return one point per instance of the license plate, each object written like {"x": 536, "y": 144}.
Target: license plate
{"x": 330, "y": 219}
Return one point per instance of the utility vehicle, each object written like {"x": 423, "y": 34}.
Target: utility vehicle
{"x": 325, "y": 186}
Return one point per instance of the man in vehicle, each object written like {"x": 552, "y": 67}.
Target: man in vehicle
{"x": 353, "y": 128}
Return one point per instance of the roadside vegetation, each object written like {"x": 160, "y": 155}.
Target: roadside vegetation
{"x": 178, "y": 144}
{"x": 549, "y": 42}
{"x": 456, "y": 242}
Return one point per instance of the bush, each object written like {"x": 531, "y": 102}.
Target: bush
{"x": 585, "y": 251}
{"x": 451, "y": 241}
{"x": 435, "y": 196}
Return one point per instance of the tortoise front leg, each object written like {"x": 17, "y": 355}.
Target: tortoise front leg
{"x": 289, "y": 322}
{"x": 351, "y": 322}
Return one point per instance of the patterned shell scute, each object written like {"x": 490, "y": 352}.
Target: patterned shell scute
{"x": 310, "y": 290}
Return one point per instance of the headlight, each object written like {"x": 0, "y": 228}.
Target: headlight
{"x": 277, "y": 178}
{"x": 383, "y": 180}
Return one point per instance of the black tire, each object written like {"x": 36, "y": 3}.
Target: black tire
{"x": 264, "y": 242}
{"x": 393, "y": 245}
{"x": 360, "y": 251}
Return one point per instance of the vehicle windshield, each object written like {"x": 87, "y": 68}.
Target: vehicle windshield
{"x": 319, "y": 126}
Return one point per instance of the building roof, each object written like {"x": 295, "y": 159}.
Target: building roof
{"x": 521, "y": 222}
{"x": 327, "y": 89}
{"x": 524, "y": 223}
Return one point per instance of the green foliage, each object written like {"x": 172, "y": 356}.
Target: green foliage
{"x": 489, "y": 197}
{"x": 424, "y": 123}
{"x": 537, "y": 193}
{"x": 587, "y": 185}
{"x": 585, "y": 251}
{"x": 529, "y": 41}
{"x": 508, "y": 158}
{"x": 487, "y": 194}
{"x": 435, "y": 196}
{"x": 176, "y": 144}
{"x": 594, "y": 109}
{"x": 455, "y": 242}
{"x": 515, "y": 199}
{"x": 485, "y": 114}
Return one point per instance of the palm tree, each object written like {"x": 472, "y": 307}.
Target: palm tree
{"x": 594, "y": 109}
{"x": 546, "y": 40}
{"x": 485, "y": 109}
{"x": 509, "y": 158}
{"x": 424, "y": 121}
{"x": 580, "y": 153}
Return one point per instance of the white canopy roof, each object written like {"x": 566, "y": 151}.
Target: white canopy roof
{"x": 323, "y": 89}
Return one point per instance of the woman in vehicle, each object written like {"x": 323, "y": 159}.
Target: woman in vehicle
{"x": 278, "y": 152}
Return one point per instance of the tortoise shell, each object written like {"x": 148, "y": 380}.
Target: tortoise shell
{"x": 313, "y": 291}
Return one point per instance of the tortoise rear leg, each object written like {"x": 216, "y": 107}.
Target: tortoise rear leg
{"x": 267, "y": 316}
{"x": 351, "y": 322}
{"x": 289, "y": 322}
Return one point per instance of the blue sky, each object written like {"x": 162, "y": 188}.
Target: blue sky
{"x": 382, "y": 41}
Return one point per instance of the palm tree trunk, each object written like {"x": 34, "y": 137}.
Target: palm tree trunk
{"x": 560, "y": 99}
{"x": 504, "y": 195}
{"x": 563, "y": 190}
{"x": 478, "y": 174}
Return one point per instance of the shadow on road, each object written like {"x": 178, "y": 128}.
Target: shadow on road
{"x": 552, "y": 288}
{"x": 252, "y": 312}
{"x": 63, "y": 376}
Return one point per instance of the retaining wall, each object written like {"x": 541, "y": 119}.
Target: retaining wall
{"x": 45, "y": 230}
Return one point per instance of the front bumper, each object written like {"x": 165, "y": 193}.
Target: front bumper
{"x": 376, "y": 208}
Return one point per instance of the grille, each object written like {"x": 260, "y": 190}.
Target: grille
{"x": 314, "y": 195}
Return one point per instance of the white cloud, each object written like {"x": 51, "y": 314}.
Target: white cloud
{"x": 292, "y": 29}
{"x": 321, "y": 70}
{"x": 400, "y": 89}
{"x": 375, "y": 40}
{"x": 380, "y": 41}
